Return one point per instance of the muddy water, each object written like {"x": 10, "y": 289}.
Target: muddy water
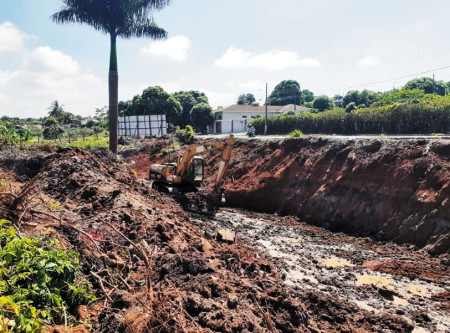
{"x": 312, "y": 258}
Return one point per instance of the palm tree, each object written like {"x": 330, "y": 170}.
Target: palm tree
{"x": 55, "y": 109}
{"x": 118, "y": 18}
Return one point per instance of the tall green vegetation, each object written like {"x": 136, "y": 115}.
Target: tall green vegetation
{"x": 430, "y": 115}
{"x": 117, "y": 18}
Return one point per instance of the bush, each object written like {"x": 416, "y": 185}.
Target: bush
{"x": 430, "y": 115}
{"x": 296, "y": 134}
{"x": 39, "y": 282}
{"x": 185, "y": 135}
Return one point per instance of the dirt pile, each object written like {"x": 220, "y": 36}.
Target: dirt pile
{"x": 390, "y": 190}
{"x": 153, "y": 268}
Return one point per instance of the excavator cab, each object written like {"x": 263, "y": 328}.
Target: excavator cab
{"x": 198, "y": 170}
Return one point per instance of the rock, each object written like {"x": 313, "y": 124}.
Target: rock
{"x": 206, "y": 246}
{"x": 232, "y": 301}
{"x": 226, "y": 236}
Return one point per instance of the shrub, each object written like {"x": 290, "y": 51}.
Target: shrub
{"x": 185, "y": 135}
{"x": 430, "y": 115}
{"x": 39, "y": 282}
{"x": 296, "y": 134}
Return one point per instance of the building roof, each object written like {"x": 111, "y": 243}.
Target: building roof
{"x": 262, "y": 108}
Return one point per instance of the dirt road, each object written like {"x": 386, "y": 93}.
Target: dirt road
{"x": 382, "y": 278}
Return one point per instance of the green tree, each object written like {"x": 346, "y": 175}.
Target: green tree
{"x": 241, "y": 100}
{"x": 85, "y": 132}
{"x": 308, "y": 96}
{"x": 97, "y": 130}
{"x": 250, "y": 98}
{"x": 361, "y": 99}
{"x": 55, "y": 109}
{"x": 37, "y": 131}
{"x": 155, "y": 100}
{"x": 187, "y": 100}
{"x": 322, "y": 103}
{"x": 52, "y": 130}
{"x": 117, "y": 18}
{"x": 72, "y": 134}
{"x": 286, "y": 92}
{"x": 201, "y": 116}
{"x": 428, "y": 85}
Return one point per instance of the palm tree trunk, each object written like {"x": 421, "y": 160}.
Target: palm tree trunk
{"x": 113, "y": 85}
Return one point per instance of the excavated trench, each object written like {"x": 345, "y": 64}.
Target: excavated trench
{"x": 377, "y": 231}
{"x": 388, "y": 190}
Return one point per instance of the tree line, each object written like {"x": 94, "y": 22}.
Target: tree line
{"x": 182, "y": 108}
{"x": 289, "y": 92}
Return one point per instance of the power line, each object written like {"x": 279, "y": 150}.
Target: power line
{"x": 384, "y": 81}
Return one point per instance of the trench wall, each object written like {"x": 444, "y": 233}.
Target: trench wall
{"x": 389, "y": 190}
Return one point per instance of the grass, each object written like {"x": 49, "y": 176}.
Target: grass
{"x": 89, "y": 142}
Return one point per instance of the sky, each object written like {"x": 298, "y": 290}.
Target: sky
{"x": 223, "y": 48}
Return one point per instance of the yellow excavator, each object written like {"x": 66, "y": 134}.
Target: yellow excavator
{"x": 187, "y": 174}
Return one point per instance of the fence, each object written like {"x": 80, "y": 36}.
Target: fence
{"x": 148, "y": 125}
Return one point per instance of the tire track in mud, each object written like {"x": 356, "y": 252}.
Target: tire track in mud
{"x": 382, "y": 278}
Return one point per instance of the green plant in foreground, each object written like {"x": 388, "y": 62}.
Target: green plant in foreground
{"x": 296, "y": 134}
{"x": 54, "y": 206}
{"x": 39, "y": 282}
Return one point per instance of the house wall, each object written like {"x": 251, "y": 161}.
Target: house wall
{"x": 230, "y": 126}
{"x": 239, "y": 115}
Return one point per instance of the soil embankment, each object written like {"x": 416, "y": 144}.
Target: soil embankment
{"x": 389, "y": 190}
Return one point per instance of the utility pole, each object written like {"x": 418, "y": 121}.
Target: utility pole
{"x": 434, "y": 85}
{"x": 265, "y": 119}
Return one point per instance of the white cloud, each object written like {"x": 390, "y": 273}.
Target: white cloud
{"x": 44, "y": 59}
{"x": 11, "y": 39}
{"x": 175, "y": 48}
{"x": 273, "y": 60}
{"x": 250, "y": 85}
{"x": 46, "y": 75}
{"x": 369, "y": 61}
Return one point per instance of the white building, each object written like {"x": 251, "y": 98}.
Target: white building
{"x": 235, "y": 118}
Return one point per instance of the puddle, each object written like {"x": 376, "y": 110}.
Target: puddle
{"x": 400, "y": 301}
{"x": 336, "y": 262}
{"x": 407, "y": 290}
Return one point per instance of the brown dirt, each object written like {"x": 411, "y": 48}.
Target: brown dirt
{"x": 150, "y": 255}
